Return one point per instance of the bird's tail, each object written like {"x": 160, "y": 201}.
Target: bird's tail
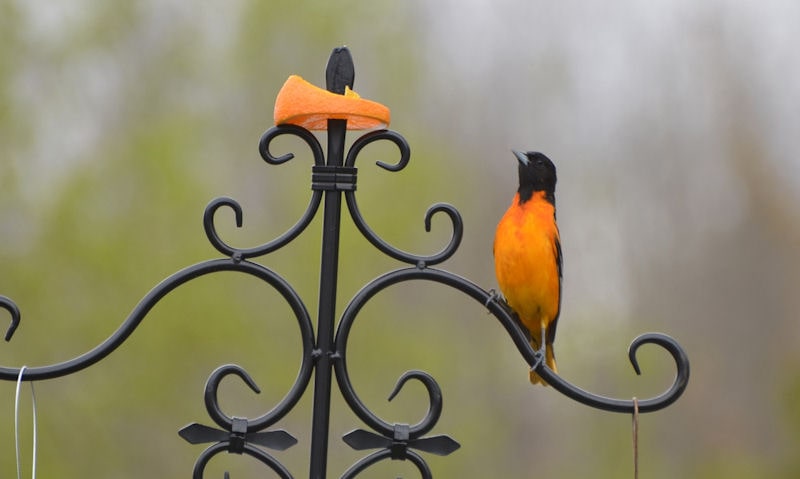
{"x": 550, "y": 360}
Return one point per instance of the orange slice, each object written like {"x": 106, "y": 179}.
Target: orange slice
{"x": 303, "y": 104}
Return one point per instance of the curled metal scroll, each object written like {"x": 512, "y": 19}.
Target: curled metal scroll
{"x": 252, "y": 451}
{"x": 374, "y": 238}
{"x": 396, "y": 441}
{"x": 520, "y": 338}
{"x": 384, "y": 454}
{"x": 291, "y": 233}
{"x": 12, "y": 308}
{"x": 241, "y": 435}
{"x": 383, "y": 427}
{"x": 267, "y": 419}
{"x": 151, "y": 299}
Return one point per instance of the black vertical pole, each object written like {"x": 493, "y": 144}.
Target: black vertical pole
{"x": 338, "y": 74}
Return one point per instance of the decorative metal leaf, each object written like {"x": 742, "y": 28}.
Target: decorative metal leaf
{"x": 360, "y": 439}
{"x": 439, "y": 445}
{"x": 198, "y": 434}
{"x": 277, "y": 440}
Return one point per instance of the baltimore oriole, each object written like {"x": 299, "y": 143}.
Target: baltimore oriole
{"x": 527, "y": 254}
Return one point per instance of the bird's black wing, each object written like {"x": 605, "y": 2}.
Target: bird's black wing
{"x": 551, "y": 328}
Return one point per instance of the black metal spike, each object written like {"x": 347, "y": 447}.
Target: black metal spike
{"x": 340, "y": 71}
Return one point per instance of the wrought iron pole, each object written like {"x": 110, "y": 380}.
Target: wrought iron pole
{"x": 327, "y": 306}
{"x": 339, "y": 73}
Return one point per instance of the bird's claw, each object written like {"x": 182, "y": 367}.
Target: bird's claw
{"x": 494, "y": 297}
{"x": 538, "y": 359}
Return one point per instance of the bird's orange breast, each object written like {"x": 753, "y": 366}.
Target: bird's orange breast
{"x": 525, "y": 255}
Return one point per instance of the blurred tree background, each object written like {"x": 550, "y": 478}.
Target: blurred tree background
{"x": 674, "y": 128}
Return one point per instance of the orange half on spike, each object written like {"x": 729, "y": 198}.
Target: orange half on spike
{"x": 303, "y": 104}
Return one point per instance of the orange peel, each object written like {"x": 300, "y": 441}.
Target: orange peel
{"x": 303, "y": 104}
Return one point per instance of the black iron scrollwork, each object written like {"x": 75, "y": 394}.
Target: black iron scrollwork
{"x": 397, "y": 441}
{"x": 239, "y": 435}
{"x": 152, "y": 298}
{"x": 520, "y": 338}
{"x": 291, "y": 233}
{"x": 370, "y": 235}
{"x": 325, "y": 354}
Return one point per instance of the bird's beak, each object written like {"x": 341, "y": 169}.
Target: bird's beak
{"x": 522, "y": 157}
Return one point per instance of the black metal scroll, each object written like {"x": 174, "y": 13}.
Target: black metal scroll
{"x": 325, "y": 355}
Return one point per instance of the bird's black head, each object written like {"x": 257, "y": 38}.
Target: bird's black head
{"x": 536, "y": 173}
